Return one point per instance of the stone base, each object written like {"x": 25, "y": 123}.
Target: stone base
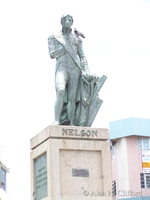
{"x": 71, "y": 163}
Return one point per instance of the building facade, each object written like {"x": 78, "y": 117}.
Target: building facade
{"x": 3, "y": 178}
{"x": 130, "y": 152}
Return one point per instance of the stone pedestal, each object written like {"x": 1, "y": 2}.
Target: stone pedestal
{"x": 71, "y": 163}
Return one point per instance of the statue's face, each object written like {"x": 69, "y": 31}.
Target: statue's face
{"x": 67, "y": 23}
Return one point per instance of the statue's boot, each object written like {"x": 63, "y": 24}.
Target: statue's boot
{"x": 66, "y": 122}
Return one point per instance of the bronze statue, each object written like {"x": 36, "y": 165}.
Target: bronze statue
{"x": 76, "y": 88}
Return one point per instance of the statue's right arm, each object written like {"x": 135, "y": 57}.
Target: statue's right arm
{"x": 56, "y": 50}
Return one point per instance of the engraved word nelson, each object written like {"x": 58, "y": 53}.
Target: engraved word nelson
{"x": 83, "y": 133}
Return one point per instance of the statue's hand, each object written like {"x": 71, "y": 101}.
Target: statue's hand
{"x": 88, "y": 76}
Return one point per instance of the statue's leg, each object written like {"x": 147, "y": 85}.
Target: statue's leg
{"x": 73, "y": 82}
{"x": 61, "y": 79}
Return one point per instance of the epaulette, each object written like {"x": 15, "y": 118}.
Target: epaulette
{"x": 77, "y": 38}
{"x": 80, "y": 40}
{"x": 50, "y": 37}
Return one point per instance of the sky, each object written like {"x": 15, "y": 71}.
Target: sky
{"x": 117, "y": 45}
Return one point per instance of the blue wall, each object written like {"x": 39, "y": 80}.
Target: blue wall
{"x": 136, "y": 198}
{"x": 128, "y": 127}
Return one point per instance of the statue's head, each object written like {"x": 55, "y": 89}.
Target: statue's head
{"x": 66, "y": 21}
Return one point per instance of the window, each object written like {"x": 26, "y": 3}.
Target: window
{"x": 143, "y": 143}
{"x": 3, "y": 179}
{"x": 112, "y": 151}
{"x": 146, "y": 143}
{"x": 145, "y": 180}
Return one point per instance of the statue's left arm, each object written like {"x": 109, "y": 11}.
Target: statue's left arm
{"x": 83, "y": 59}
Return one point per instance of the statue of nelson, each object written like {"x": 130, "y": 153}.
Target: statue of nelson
{"x": 67, "y": 49}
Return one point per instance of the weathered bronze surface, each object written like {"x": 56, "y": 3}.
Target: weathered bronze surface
{"x": 77, "y": 101}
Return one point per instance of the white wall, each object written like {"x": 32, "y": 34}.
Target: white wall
{"x": 4, "y": 195}
{"x": 122, "y": 168}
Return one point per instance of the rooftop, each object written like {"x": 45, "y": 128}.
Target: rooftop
{"x": 129, "y": 127}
